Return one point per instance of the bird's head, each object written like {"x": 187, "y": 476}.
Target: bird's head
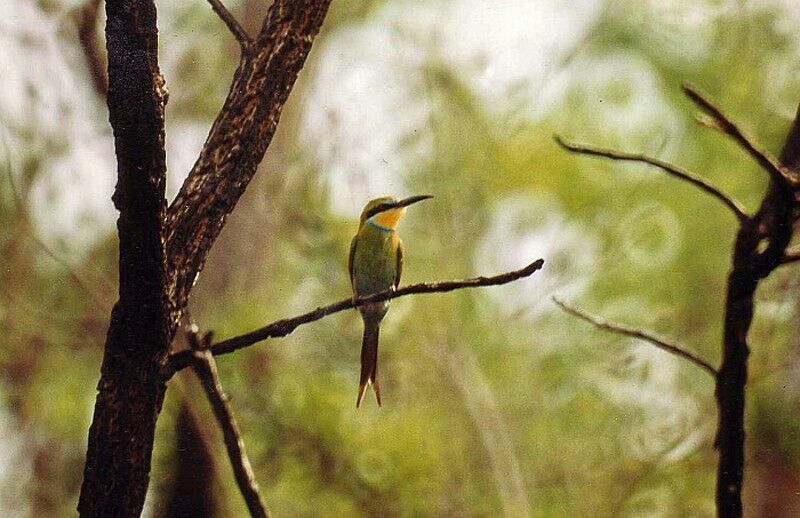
{"x": 387, "y": 211}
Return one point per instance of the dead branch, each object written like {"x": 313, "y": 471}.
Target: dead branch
{"x": 725, "y": 124}
{"x": 633, "y": 332}
{"x": 162, "y": 250}
{"x": 670, "y": 169}
{"x": 206, "y": 369}
{"x": 284, "y": 327}
{"x": 130, "y": 390}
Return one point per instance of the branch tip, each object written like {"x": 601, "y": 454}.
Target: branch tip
{"x": 606, "y": 325}
{"x": 724, "y": 124}
{"x": 667, "y": 167}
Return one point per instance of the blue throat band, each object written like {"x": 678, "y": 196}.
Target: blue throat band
{"x": 379, "y": 227}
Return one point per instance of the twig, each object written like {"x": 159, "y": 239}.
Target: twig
{"x": 724, "y": 124}
{"x": 206, "y": 369}
{"x": 284, "y": 327}
{"x": 606, "y": 325}
{"x": 671, "y": 169}
{"x": 233, "y": 25}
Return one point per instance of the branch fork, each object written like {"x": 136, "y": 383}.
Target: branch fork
{"x": 760, "y": 247}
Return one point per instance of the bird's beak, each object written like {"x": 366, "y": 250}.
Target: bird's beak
{"x": 405, "y": 202}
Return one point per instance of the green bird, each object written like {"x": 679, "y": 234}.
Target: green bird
{"x": 375, "y": 265}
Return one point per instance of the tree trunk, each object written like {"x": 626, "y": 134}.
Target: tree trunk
{"x": 154, "y": 283}
{"x": 131, "y": 390}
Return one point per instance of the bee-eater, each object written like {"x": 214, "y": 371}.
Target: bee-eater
{"x": 376, "y": 263}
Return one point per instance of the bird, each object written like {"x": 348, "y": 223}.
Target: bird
{"x": 375, "y": 264}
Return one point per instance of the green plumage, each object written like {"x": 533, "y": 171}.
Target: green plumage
{"x": 375, "y": 265}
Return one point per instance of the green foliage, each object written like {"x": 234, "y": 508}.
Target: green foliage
{"x": 495, "y": 402}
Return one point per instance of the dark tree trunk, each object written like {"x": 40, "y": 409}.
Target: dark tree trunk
{"x": 759, "y": 248}
{"x": 131, "y": 391}
{"x": 152, "y": 295}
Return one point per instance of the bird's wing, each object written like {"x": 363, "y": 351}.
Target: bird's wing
{"x": 399, "y": 269}
{"x": 351, "y": 259}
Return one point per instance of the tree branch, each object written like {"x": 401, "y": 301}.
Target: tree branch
{"x": 671, "y": 169}
{"x": 284, "y": 327}
{"x": 233, "y": 25}
{"x": 724, "y": 124}
{"x": 621, "y": 329}
{"x": 206, "y": 369}
{"x": 238, "y": 138}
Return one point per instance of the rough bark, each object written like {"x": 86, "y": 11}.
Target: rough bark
{"x": 161, "y": 254}
{"x": 131, "y": 390}
{"x": 239, "y": 137}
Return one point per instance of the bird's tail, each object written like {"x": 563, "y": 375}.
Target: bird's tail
{"x": 369, "y": 361}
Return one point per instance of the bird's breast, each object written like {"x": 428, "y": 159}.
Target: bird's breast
{"x": 375, "y": 261}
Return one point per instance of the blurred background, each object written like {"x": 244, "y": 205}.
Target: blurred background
{"x": 496, "y": 403}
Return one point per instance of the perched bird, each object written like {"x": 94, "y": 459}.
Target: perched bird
{"x": 376, "y": 262}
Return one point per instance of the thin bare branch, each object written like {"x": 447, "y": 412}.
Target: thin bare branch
{"x": 723, "y": 123}
{"x": 206, "y": 369}
{"x": 281, "y": 328}
{"x": 621, "y": 329}
{"x": 233, "y": 25}
{"x": 671, "y": 169}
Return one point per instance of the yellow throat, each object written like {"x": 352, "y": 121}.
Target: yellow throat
{"x": 390, "y": 217}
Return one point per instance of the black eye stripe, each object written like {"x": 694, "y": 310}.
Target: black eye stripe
{"x": 378, "y": 209}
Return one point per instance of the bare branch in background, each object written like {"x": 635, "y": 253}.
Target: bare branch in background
{"x": 284, "y": 327}
{"x": 233, "y": 25}
{"x": 723, "y": 123}
{"x": 671, "y": 169}
{"x": 759, "y": 248}
{"x": 86, "y": 18}
{"x": 633, "y": 332}
{"x": 206, "y": 369}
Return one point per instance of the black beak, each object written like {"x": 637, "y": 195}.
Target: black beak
{"x": 405, "y": 202}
